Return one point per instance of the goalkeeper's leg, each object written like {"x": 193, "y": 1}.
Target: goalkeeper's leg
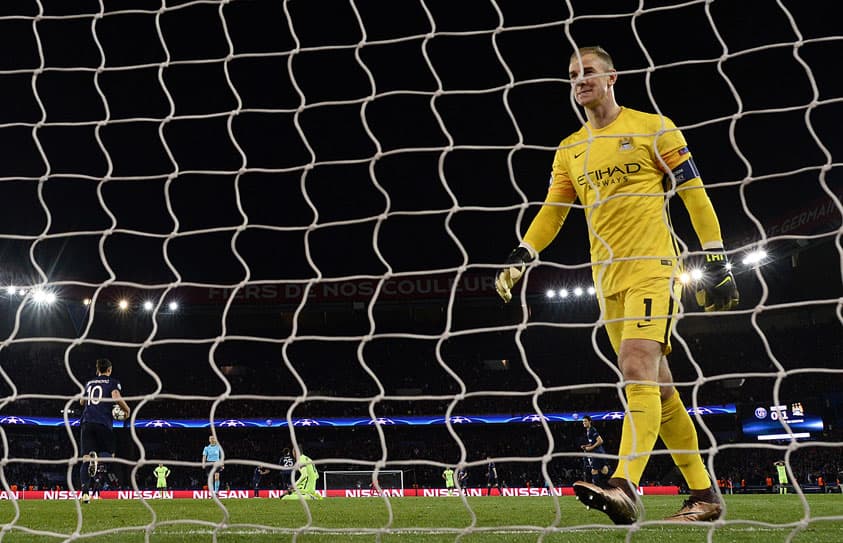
{"x": 638, "y": 360}
{"x": 310, "y": 490}
{"x": 294, "y": 493}
{"x": 678, "y": 432}
{"x": 305, "y": 488}
{"x": 639, "y": 349}
{"x": 638, "y": 434}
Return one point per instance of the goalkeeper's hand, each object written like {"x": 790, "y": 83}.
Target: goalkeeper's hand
{"x": 514, "y": 268}
{"x": 718, "y": 291}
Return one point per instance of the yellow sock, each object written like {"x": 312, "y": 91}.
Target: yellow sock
{"x": 644, "y": 415}
{"x": 678, "y": 432}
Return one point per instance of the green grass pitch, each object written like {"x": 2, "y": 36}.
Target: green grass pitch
{"x": 763, "y": 518}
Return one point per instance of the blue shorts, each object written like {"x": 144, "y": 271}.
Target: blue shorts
{"x": 94, "y": 437}
{"x": 595, "y": 462}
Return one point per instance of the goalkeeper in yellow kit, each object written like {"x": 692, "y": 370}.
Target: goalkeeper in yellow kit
{"x": 619, "y": 166}
{"x": 305, "y": 486}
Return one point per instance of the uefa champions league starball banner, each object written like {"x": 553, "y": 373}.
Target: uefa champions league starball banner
{"x": 461, "y": 420}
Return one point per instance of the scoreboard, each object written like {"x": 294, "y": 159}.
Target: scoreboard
{"x": 769, "y": 422}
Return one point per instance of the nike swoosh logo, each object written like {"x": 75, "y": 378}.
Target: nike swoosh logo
{"x": 639, "y": 325}
{"x": 577, "y": 155}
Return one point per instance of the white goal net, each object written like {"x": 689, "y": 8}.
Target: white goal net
{"x": 281, "y": 221}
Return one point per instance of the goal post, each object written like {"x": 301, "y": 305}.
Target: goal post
{"x": 363, "y": 479}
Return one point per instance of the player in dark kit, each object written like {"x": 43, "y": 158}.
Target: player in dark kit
{"x": 492, "y": 478}
{"x": 596, "y": 465}
{"x": 259, "y": 472}
{"x": 287, "y": 463}
{"x": 97, "y": 435}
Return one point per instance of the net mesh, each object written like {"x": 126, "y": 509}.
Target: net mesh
{"x": 303, "y": 204}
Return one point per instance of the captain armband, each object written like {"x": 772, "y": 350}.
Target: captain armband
{"x": 685, "y": 171}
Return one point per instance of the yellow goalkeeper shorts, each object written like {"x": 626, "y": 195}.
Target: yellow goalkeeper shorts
{"x": 644, "y": 311}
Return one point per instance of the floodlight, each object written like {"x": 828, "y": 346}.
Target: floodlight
{"x": 754, "y": 257}
{"x": 43, "y": 297}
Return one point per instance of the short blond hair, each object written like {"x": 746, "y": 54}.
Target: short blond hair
{"x": 597, "y": 51}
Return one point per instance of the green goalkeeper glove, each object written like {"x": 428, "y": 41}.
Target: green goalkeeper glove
{"x": 717, "y": 291}
{"x": 514, "y": 268}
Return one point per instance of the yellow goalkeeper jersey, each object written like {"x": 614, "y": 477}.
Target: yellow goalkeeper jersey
{"x": 618, "y": 173}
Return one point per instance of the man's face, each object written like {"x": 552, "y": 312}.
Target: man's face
{"x": 212, "y": 440}
{"x": 590, "y": 81}
{"x": 586, "y": 423}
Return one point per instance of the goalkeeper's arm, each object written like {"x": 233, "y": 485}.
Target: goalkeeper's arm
{"x": 541, "y": 232}
{"x": 718, "y": 290}
{"x": 307, "y": 471}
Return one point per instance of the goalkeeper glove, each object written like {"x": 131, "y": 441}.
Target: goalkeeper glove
{"x": 717, "y": 291}
{"x": 514, "y": 268}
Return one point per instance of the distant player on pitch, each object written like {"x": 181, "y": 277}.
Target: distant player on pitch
{"x": 623, "y": 167}
{"x": 448, "y": 475}
{"x": 161, "y": 473}
{"x": 305, "y": 485}
{"x": 597, "y": 465}
{"x": 96, "y": 429}
{"x": 257, "y": 475}
{"x": 287, "y": 462}
{"x": 781, "y": 471}
{"x": 462, "y": 477}
{"x": 492, "y": 478}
